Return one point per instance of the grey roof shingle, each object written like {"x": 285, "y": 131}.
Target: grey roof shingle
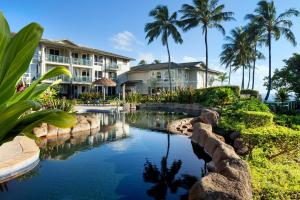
{"x": 159, "y": 66}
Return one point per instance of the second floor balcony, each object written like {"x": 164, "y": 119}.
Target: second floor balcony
{"x": 81, "y": 61}
{"x": 57, "y": 59}
{"x": 82, "y": 79}
{"x": 112, "y": 67}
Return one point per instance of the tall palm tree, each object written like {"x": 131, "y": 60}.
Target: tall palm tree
{"x": 208, "y": 14}
{"x": 156, "y": 61}
{"x": 226, "y": 58}
{"x": 164, "y": 25}
{"x": 238, "y": 43}
{"x": 255, "y": 39}
{"x": 223, "y": 77}
{"x": 272, "y": 26}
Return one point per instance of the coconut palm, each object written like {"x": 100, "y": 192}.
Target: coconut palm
{"x": 272, "y": 26}
{"x": 256, "y": 39}
{"x": 156, "y": 61}
{"x": 226, "y": 58}
{"x": 208, "y": 14}
{"x": 223, "y": 77}
{"x": 142, "y": 62}
{"x": 242, "y": 50}
{"x": 164, "y": 25}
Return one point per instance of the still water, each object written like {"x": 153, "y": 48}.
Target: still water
{"x": 130, "y": 158}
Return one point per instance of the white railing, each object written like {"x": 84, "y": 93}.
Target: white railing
{"x": 85, "y": 79}
{"x": 80, "y": 61}
{"x": 57, "y": 59}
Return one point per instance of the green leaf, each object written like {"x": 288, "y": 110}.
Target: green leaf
{"x": 10, "y": 115}
{"x": 17, "y": 57}
{"x": 4, "y": 40}
{"x": 31, "y": 92}
{"x": 56, "y": 118}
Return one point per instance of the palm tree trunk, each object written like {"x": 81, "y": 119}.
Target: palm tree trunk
{"x": 253, "y": 70}
{"x": 168, "y": 147}
{"x": 206, "y": 59}
{"x": 249, "y": 77}
{"x": 229, "y": 74}
{"x": 169, "y": 65}
{"x": 243, "y": 77}
{"x": 270, "y": 68}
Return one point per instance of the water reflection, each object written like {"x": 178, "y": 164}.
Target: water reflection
{"x": 151, "y": 120}
{"x": 112, "y": 128}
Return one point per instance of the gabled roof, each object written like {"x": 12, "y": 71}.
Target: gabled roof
{"x": 69, "y": 44}
{"x": 188, "y": 65}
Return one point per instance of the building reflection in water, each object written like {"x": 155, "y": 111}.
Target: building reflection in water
{"x": 112, "y": 128}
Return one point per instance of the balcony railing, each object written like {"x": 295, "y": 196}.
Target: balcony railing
{"x": 62, "y": 77}
{"x": 57, "y": 59}
{"x": 112, "y": 67}
{"x": 80, "y": 61}
{"x": 85, "y": 79}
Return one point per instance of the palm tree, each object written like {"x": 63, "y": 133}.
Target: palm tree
{"x": 238, "y": 43}
{"x": 223, "y": 77}
{"x": 164, "y": 25}
{"x": 156, "y": 61}
{"x": 226, "y": 58}
{"x": 208, "y": 14}
{"x": 271, "y": 26}
{"x": 256, "y": 39}
{"x": 142, "y": 62}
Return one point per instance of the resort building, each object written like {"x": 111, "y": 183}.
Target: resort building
{"x": 86, "y": 65}
{"x": 146, "y": 79}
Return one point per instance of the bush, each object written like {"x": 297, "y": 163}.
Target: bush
{"x": 250, "y": 93}
{"x": 291, "y": 121}
{"x": 133, "y": 97}
{"x": 251, "y": 104}
{"x": 274, "y": 151}
{"x": 220, "y": 97}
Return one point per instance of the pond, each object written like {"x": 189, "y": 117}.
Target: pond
{"x": 130, "y": 158}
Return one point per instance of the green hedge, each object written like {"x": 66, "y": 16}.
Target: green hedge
{"x": 255, "y": 119}
{"x": 205, "y": 91}
{"x": 251, "y": 93}
{"x": 274, "y": 151}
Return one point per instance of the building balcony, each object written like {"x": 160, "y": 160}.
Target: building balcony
{"x": 112, "y": 67}
{"x": 57, "y": 59}
{"x": 61, "y": 77}
{"x": 83, "y": 79}
{"x": 80, "y": 61}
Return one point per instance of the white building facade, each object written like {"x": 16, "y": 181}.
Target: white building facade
{"x": 85, "y": 64}
{"x": 146, "y": 79}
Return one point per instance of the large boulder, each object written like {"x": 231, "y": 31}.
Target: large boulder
{"x": 52, "y": 131}
{"x": 208, "y": 116}
{"x": 41, "y": 130}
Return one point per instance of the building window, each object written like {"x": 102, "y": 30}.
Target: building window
{"x": 158, "y": 75}
{"x": 98, "y": 74}
{"x": 98, "y": 60}
{"x": 75, "y": 55}
{"x": 85, "y": 73}
{"x": 112, "y": 75}
{"x": 54, "y": 52}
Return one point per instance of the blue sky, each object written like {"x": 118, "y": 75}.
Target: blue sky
{"x": 118, "y": 26}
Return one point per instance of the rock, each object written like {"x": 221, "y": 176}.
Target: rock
{"x": 211, "y": 166}
{"x": 63, "y": 131}
{"x": 94, "y": 123}
{"x": 223, "y": 152}
{"x": 240, "y": 146}
{"x": 52, "y": 131}
{"x": 81, "y": 127}
{"x": 207, "y": 127}
{"x": 215, "y": 186}
{"x": 208, "y": 116}
{"x": 234, "y": 135}
{"x": 41, "y": 130}
{"x": 211, "y": 144}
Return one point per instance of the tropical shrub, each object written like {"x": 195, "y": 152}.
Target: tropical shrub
{"x": 133, "y": 97}
{"x": 255, "y": 119}
{"x": 61, "y": 104}
{"x": 274, "y": 151}
{"x": 291, "y": 121}
{"x": 16, "y": 107}
{"x": 220, "y": 97}
{"x": 250, "y": 93}
{"x": 251, "y": 104}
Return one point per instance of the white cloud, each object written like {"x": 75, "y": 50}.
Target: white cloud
{"x": 125, "y": 41}
{"x": 189, "y": 59}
